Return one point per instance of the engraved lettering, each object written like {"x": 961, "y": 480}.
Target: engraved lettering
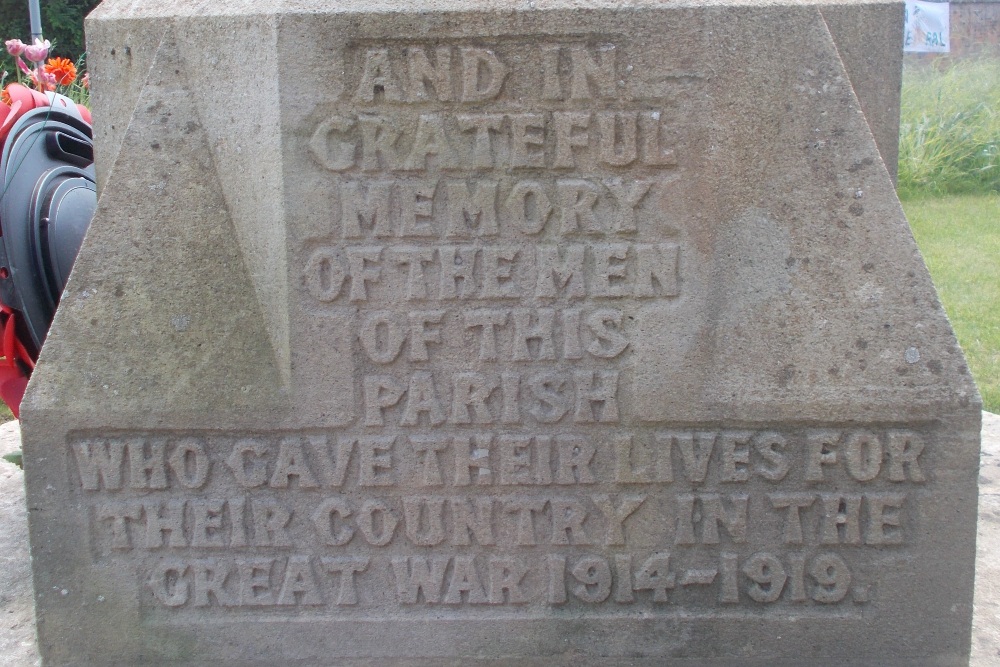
{"x": 904, "y": 450}
{"x": 99, "y": 462}
{"x": 331, "y": 531}
{"x": 292, "y": 463}
{"x": 793, "y": 503}
{"x": 505, "y": 577}
{"x": 270, "y": 523}
{"x": 595, "y": 70}
{"x": 430, "y": 466}
{"x": 377, "y": 77}
{"x": 364, "y": 208}
{"x": 246, "y": 462}
{"x": 472, "y": 209}
{"x": 377, "y": 522}
{"x": 472, "y": 453}
{"x": 424, "y": 520}
{"x": 567, "y": 522}
{"x": 616, "y": 509}
{"x": 465, "y": 580}
{"x": 576, "y": 455}
{"x": 841, "y": 519}
{"x": 416, "y": 575}
{"x": 375, "y": 453}
{"x": 299, "y": 585}
{"x": 560, "y": 272}
{"x": 324, "y": 275}
{"x": 429, "y": 80}
{"x": 472, "y": 516}
{"x": 883, "y": 513}
{"x": 594, "y": 576}
{"x": 147, "y": 472}
{"x": 483, "y": 74}
{"x": 347, "y": 568}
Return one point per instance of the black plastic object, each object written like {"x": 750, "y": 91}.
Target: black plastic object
{"x": 48, "y": 198}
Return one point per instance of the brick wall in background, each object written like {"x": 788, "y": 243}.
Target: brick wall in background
{"x": 975, "y": 31}
{"x": 975, "y": 28}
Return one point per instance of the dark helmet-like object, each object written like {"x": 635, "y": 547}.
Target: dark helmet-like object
{"x": 47, "y": 199}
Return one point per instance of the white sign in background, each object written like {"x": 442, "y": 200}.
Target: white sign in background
{"x": 925, "y": 27}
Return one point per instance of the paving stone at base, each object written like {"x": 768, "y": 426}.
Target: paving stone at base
{"x": 17, "y": 619}
{"x": 986, "y": 617}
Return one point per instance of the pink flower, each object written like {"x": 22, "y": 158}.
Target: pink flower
{"x": 48, "y": 80}
{"x": 15, "y": 47}
{"x": 21, "y": 66}
{"x": 38, "y": 51}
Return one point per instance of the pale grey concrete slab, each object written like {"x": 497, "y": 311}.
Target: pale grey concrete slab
{"x": 986, "y": 615}
{"x": 17, "y": 613}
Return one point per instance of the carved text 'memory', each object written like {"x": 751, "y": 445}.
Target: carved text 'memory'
{"x": 457, "y": 209}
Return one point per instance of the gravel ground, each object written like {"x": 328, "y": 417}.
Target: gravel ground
{"x": 17, "y": 617}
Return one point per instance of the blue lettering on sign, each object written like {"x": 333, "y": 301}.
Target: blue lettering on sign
{"x": 935, "y": 39}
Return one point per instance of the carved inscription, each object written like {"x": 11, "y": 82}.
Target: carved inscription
{"x": 465, "y": 173}
{"x": 300, "y": 580}
{"x": 495, "y": 230}
{"x": 450, "y": 273}
{"x": 698, "y": 516}
{"x": 488, "y": 242}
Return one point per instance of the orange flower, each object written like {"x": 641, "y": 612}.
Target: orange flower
{"x": 63, "y": 69}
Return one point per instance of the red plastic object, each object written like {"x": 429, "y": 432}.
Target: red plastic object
{"x": 12, "y": 386}
{"x": 15, "y": 365}
{"x": 22, "y": 100}
{"x": 13, "y": 113}
{"x": 30, "y": 99}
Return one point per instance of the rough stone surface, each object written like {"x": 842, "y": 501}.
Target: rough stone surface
{"x": 867, "y": 39}
{"x": 577, "y": 333}
{"x": 17, "y": 639}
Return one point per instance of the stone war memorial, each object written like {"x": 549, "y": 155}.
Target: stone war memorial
{"x": 500, "y": 333}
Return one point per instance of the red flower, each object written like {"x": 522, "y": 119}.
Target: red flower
{"x": 63, "y": 69}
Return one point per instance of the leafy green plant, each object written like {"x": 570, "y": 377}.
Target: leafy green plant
{"x": 62, "y": 23}
{"x": 949, "y": 141}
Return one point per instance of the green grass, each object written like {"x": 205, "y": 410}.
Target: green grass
{"x": 949, "y": 134}
{"x": 959, "y": 237}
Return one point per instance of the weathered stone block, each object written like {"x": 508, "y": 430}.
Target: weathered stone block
{"x": 469, "y": 334}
